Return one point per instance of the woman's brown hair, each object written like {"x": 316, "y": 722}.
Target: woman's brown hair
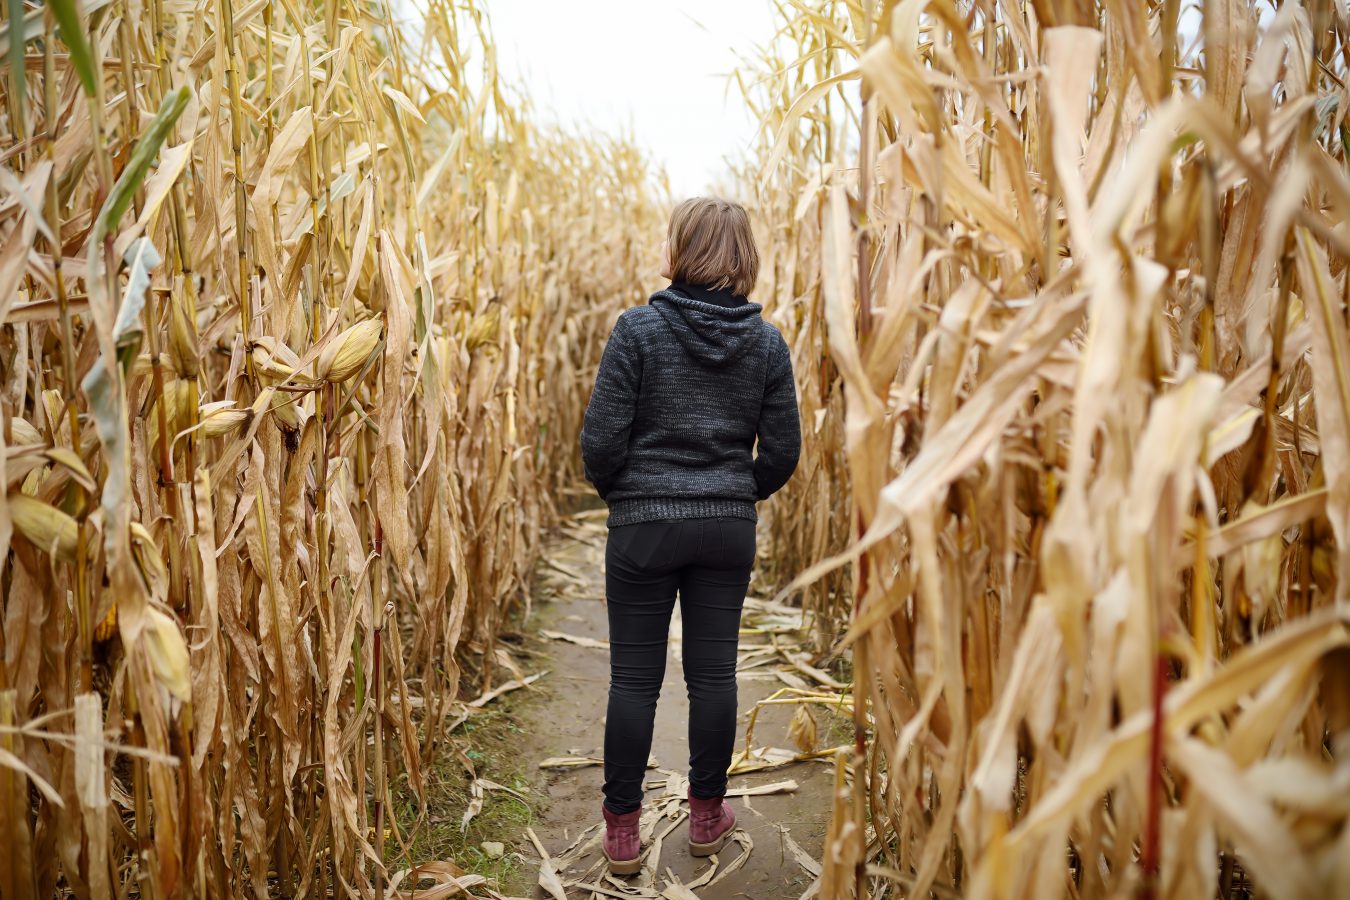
{"x": 711, "y": 245}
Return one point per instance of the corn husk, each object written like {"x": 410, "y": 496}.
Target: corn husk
{"x": 23, "y": 433}
{"x": 44, "y": 526}
{"x": 274, "y": 360}
{"x": 348, "y": 352}
{"x": 168, "y": 654}
{"x": 221, "y": 418}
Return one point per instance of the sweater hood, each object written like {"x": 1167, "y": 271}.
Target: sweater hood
{"x": 714, "y": 335}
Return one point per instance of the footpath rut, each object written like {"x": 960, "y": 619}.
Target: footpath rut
{"x": 780, "y": 789}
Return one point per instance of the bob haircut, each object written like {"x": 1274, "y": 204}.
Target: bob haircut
{"x": 711, "y": 245}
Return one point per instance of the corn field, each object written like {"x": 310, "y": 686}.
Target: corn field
{"x": 1066, "y": 283}
{"x": 292, "y": 296}
{"x": 299, "y": 305}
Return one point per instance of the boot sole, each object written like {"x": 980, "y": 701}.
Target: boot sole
{"x": 710, "y": 848}
{"x": 623, "y": 866}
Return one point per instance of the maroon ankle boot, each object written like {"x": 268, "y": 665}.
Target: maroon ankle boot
{"x": 622, "y": 845}
{"x": 710, "y": 822}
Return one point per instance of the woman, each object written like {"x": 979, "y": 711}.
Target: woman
{"x": 686, "y": 385}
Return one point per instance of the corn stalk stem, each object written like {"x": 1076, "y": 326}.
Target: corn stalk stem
{"x": 377, "y": 664}
{"x": 225, "y": 21}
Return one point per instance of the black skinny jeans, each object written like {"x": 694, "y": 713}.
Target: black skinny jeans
{"x": 708, "y": 562}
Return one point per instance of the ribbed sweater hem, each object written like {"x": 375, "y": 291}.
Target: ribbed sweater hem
{"x": 652, "y": 509}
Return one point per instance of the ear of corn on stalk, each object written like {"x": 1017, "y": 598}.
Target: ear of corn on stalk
{"x": 348, "y": 353}
{"x": 44, "y": 526}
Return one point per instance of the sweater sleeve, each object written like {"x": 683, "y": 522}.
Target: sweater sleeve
{"x": 609, "y": 414}
{"x": 779, "y": 432}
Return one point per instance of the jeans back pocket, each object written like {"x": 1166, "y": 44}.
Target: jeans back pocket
{"x": 644, "y": 546}
{"x": 738, "y": 543}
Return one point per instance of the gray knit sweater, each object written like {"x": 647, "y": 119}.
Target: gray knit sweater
{"x": 684, "y": 389}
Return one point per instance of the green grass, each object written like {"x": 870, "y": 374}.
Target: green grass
{"x": 490, "y": 741}
{"x": 487, "y": 741}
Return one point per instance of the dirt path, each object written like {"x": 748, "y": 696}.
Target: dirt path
{"x": 782, "y": 830}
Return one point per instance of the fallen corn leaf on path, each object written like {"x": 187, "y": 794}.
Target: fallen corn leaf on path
{"x": 782, "y": 800}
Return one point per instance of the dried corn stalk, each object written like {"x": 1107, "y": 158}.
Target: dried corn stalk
{"x": 296, "y": 312}
{"x": 1075, "y": 273}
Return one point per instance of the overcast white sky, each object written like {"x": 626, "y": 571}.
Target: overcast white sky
{"x": 650, "y": 68}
